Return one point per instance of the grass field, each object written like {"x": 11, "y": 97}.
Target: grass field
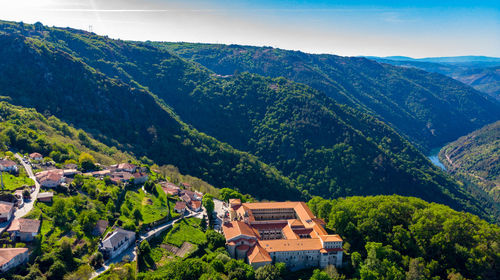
{"x": 186, "y": 230}
{"x": 151, "y": 207}
{"x": 12, "y": 182}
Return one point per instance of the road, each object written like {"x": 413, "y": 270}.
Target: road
{"x": 29, "y": 204}
{"x": 131, "y": 251}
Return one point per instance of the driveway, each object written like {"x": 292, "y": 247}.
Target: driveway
{"x": 28, "y": 205}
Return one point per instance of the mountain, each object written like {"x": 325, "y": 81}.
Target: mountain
{"x": 429, "y": 109}
{"x": 482, "y": 75}
{"x": 280, "y": 140}
{"x": 36, "y": 74}
{"x": 476, "y": 158}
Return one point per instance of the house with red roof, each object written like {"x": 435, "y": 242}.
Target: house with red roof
{"x": 12, "y": 257}
{"x": 6, "y": 211}
{"x": 24, "y": 230}
{"x": 8, "y": 166}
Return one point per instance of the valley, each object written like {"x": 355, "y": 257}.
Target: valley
{"x": 145, "y": 160}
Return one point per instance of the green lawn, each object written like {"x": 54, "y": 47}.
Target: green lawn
{"x": 12, "y": 182}
{"x": 151, "y": 207}
{"x": 186, "y": 230}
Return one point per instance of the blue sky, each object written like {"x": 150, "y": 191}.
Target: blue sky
{"x": 381, "y": 28}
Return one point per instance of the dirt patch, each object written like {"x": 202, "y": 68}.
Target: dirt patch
{"x": 180, "y": 252}
{"x": 171, "y": 248}
{"x": 185, "y": 248}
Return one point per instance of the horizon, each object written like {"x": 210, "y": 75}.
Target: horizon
{"x": 384, "y": 29}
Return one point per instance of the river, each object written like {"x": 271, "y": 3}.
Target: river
{"x": 435, "y": 159}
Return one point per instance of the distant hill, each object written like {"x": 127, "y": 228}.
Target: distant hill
{"x": 429, "y": 109}
{"x": 476, "y": 157}
{"x": 482, "y": 74}
{"x": 450, "y": 59}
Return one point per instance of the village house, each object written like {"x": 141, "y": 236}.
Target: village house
{"x": 8, "y": 166}
{"x": 23, "y": 230}
{"x": 45, "y": 196}
{"x": 120, "y": 176}
{"x": 116, "y": 242}
{"x": 180, "y": 207}
{"x": 127, "y": 167}
{"x": 12, "y": 257}
{"x": 36, "y": 156}
{"x": 186, "y": 198}
{"x": 288, "y": 232}
{"x": 70, "y": 172}
{"x": 50, "y": 178}
{"x": 195, "y": 205}
{"x": 100, "y": 173}
{"x": 170, "y": 188}
{"x": 100, "y": 227}
{"x": 6, "y": 211}
{"x": 191, "y": 195}
{"x": 140, "y": 177}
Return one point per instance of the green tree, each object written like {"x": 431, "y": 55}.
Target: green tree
{"x": 267, "y": 272}
{"x": 86, "y": 161}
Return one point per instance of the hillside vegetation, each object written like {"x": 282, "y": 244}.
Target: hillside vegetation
{"x": 35, "y": 73}
{"x": 394, "y": 237}
{"x": 28, "y": 131}
{"x": 476, "y": 158}
{"x": 429, "y": 109}
{"x": 289, "y": 140}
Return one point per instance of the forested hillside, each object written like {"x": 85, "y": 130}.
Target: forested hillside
{"x": 429, "y": 109}
{"x": 476, "y": 158}
{"x": 152, "y": 103}
{"x": 35, "y": 74}
{"x": 394, "y": 237}
{"x": 28, "y": 131}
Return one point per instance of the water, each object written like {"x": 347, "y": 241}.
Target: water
{"x": 435, "y": 159}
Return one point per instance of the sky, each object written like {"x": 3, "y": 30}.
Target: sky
{"x": 350, "y": 28}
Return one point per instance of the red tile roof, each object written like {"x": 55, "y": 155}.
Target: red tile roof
{"x": 7, "y": 254}
{"x": 25, "y": 225}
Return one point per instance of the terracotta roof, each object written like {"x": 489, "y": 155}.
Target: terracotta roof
{"x": 235, "y": 229}
{"x": 195, "y": 204}
{"x": 234, "y": 201}
{"x": 281, "y": 245}
{"x": 180, "y": 205}
{"x": 25, "y": 225}
{"x": 257, "y": 254}
{"x": 52, "y": 175}
{"x": 7, "y": 254}
{"x": 7, "y": 163}
{"x": 126, "y": 166}
{"x": 331, "y": 238}
{"x": 6, "y": 207}
{"x": 186, "y": 198}
{"x": 295, "y": 223}
{"x": 35, "y": 155}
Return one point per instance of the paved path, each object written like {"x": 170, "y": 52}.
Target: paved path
{"x": 29, "y": 204}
